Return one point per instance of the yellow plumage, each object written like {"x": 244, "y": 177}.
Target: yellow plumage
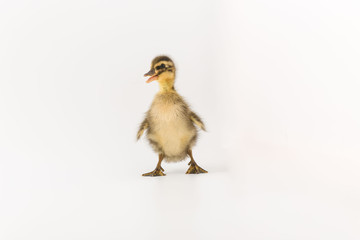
{"x": 170, "y": 123}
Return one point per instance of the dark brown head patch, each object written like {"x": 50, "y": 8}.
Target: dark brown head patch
{"x": 159, "y": 59}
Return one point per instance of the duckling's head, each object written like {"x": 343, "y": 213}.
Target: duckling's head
{"x": 163, "y": 70}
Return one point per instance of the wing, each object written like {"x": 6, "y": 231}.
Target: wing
{"x": 143, "y": 126}
{"x": 197, "y": 121}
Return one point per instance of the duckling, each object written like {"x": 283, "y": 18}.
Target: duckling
{"x": 170, "y": 123}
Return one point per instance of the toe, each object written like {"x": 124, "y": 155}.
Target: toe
{"x": 154, "y": 173}
{"x": 200, "y": 170}
{"x": 148, "y": 174}
{"x": 191, "y": 170}
{"x": 194, "y": 169}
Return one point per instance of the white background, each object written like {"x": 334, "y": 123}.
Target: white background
{"x": 277, "y": 83}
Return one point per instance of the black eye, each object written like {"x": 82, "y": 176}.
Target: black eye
{"x": 160, "y": 66}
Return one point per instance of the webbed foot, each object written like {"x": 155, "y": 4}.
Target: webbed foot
{"x": 155, "y": 173}
{"x": 195, "y": 169}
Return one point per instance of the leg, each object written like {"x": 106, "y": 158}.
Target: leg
{"x": 158, "y": 170}
{"x": 194, "y": 168}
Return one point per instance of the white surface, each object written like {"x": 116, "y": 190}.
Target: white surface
{"x": 277, "y": 83}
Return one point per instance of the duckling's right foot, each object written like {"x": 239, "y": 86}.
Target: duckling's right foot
{"x": 155, "y": 173}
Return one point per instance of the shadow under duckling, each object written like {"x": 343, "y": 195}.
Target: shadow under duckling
{"x": 169, "y": 122}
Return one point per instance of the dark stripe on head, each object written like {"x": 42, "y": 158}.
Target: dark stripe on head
{"x": 159, "y": 59}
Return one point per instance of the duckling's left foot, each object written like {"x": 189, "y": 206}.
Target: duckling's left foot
{"x": 195, "y": 169}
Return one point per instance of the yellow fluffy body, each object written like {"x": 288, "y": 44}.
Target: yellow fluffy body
{"x": 170, "y": 123}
